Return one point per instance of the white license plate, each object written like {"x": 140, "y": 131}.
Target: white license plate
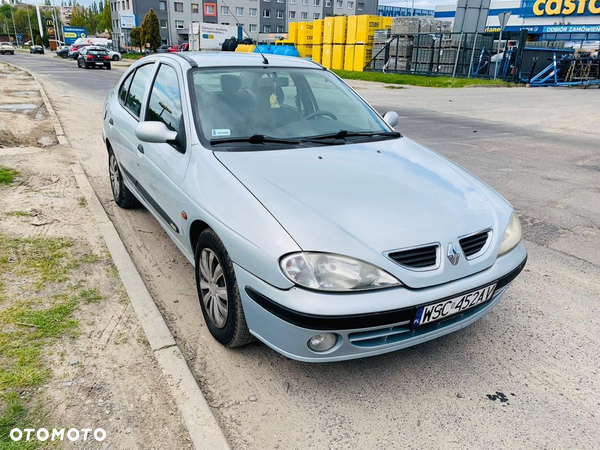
{"x": 447, "y": 308}
{"x": 99, "y": 63}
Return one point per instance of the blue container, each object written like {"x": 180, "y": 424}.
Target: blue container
{"x": 266, "y": 49}
{"x": 279, "y": 50}
{"x": 290, "y": 50}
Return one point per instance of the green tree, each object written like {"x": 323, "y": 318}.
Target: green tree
{"x": 77, "y": 17}
{"x": 151, "y": 30}
{"x": 136, "y": 37}
{"x": 105, "y": 21}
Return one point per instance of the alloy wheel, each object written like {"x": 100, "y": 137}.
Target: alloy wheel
{"x": 115, "y": 177}
{"x": 213, "y": 287}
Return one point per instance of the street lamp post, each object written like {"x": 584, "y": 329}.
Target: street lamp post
{"x": 14, "y": 26}
{"x": 30, "y": 29}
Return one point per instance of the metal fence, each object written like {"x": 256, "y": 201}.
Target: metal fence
{"x": 444, "y": 53}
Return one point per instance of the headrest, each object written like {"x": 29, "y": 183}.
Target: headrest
{"x": 230, "y": 84}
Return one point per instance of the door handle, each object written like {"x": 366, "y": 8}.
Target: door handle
{"x": 140, "y": 148}
{"x": 112, "y": 122}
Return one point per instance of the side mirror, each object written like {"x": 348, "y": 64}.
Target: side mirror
{"x": 391, "y": 118}
{"x": 155, "y": 133}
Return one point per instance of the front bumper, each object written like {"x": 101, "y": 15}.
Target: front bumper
{"x": 371, "y": 326}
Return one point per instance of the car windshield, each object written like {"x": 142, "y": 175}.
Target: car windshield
{"x": 280, "y": 103}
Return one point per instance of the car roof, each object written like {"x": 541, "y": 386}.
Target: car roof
{"x": 224, "y": 59}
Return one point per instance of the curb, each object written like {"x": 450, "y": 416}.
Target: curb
{"x": 200, "y": 422}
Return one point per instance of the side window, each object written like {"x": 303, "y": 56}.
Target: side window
{"x": 138, "y": 86}
{"x": 125, "y": 88}
{"x": 165, "y": 99}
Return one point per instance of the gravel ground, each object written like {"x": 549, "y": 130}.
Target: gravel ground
{"x": 525, "y": 376}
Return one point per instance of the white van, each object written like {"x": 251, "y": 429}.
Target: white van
{"x": 95, "y": 41}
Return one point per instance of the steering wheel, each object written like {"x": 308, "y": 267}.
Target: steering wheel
{"x": 320, "y": 113}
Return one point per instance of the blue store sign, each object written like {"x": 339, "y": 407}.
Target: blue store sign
{"x": 551, "y": 8}
{"x": 71, "y": 34}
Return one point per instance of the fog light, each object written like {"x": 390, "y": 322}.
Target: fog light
{"x": 322, "y": 342}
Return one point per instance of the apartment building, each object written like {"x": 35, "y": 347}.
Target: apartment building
{"x": 257, "y": 16}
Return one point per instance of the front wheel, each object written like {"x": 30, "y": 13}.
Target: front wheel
{"x": 122, "y": 195}
{"x": 218, "y": 292}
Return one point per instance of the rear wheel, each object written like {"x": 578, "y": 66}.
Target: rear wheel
{"x": 108, "y": 66}
{"x": 115, "y": 57}
{"x": 218, "y": 292}
{"x": 122, "y": 195}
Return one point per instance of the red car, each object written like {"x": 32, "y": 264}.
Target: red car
{"x": 180, "y": 48}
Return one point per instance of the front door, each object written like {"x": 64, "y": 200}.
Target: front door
{"x": 163, "y": 166}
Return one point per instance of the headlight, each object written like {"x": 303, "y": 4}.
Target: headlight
{"x": 512, "y": 235}
{"x": 327, "y": 272}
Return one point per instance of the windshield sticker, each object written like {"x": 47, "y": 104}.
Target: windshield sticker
{"x": 273, "y": 101}
{"x": 221, "y": 132}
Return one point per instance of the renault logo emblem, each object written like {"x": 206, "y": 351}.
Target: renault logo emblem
{"x": 453, "y": 254}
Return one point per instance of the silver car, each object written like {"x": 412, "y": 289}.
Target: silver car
{"x": 312, "y": 224}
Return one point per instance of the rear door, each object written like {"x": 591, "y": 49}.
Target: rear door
{"x": 163, "y": 166}
{"x": 124, "y": 116}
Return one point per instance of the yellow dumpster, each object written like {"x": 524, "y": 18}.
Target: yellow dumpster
{"x": 326, "y": 58}
{"x": 339, "y": 29}
{"x": 337, "y": 60}
{"x": 293, "y": 32}
{"x": 349, "y": 57}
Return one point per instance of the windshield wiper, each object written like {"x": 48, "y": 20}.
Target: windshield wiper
{"x": 262, "y": 139}
{"x": 255, "y": 139}
{"x": 342, "y": 134}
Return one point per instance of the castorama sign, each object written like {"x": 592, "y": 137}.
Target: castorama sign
{"x": 569, "y": 8}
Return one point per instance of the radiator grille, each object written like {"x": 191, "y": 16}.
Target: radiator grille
{"x": 473, "y": 244}
{"x": 417, "y": 258}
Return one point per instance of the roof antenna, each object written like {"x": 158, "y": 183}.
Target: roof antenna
{"x": 265, "y": 60}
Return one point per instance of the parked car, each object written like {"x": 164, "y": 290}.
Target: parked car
{"x": 64, "y": 51}
{"x": 114, "y": 55}
{"x": 180, "y": 48}
{"x": 36, "y": 49}
{"x": 92, "y": 57}
{"x": 75, "y": 49}
{"x": 163, "y": 48}
{"x": 6, "y": 47}
{"x": 311, "y": 223}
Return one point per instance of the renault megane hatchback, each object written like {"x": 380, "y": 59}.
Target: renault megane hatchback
{"x": 312, "y": 224}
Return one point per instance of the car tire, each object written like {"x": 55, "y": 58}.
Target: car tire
{"x": 64, "y": 56}
{"x": 115, "y": 57}
{"x": 228, "y": 323}
{"x": 122, "y": 195}
{"x": 86, "y": 66}
{"x": 79, "y": 64}
{"x": 108, "y": 66}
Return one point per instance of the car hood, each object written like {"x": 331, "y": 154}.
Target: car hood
{"x": 364, "y": 200}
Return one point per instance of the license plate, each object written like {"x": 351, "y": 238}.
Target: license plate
{"x": 447, "y": 308}
{"x": 99, "y": 64}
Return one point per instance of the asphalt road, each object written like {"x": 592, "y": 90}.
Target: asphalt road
{"x": 525, "y": 376}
